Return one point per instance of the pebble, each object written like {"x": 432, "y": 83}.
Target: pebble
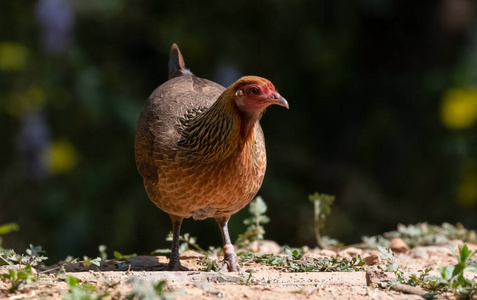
{"x": 371, "y": 259}
{"x": 398, "y": 245}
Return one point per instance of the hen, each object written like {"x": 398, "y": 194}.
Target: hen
{"x": 200, "y": 149}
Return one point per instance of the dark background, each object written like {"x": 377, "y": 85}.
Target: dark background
{"x": 382, "y": 114}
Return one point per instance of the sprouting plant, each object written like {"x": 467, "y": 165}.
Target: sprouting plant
{"x": 69, "y": 261}
{"x": 210, "y": 265}
{"x": 18, "y": 277}
{"x": 187, "y": 242}
{"x": 255, "y": 230}
{"x": 102, "y": 252}
{"x": 34, "y": 256}
{"x": 388, "y": 256}
{"x": 150, "y": 289}
{"x": 295, "y": 263}
{"x": 247, "y": 280}
{"x": 190, "y": 242}
{"x": 20, "y": 270}
{"x": 452, "y": 277}
{"x": 322, "y": 203}
{"x": 81, "y": 291}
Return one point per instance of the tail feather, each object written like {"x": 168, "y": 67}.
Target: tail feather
{"x": 176, "y": 63}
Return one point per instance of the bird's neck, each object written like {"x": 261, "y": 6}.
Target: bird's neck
{"x": 220, "y": 132}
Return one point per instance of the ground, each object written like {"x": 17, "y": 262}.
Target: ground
{"x": 256, "y": 281}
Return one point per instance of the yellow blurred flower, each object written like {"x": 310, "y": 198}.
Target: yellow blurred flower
{"x": 13, "y": 56}
{"x": 459, "y": 108}
{"x": 60, "y": 157}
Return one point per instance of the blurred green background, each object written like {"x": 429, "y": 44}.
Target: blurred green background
{"x": 383, "y": 106}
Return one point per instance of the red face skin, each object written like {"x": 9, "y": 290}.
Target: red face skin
{"x": 254, "y": 97}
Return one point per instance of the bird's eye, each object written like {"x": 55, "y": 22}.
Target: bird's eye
{"x": 255, "y": 91}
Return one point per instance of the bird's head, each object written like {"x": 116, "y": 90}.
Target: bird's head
{"x": 254, "y": 94}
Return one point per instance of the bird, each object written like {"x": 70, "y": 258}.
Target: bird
{"x": 200, "y": 149}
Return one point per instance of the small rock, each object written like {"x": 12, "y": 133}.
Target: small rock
{"x": 350, "y": 252}
{"x": 218, "y": 293}
{"x": 327, "y": 253}
{"x": 189, "y": 254}
{"x": 202, "y": 285}
{"x": 371, "y": 259}
{"x": 454, "y": 244}
{"x": 266, "y": 247}
{"x": 398, "y": 245}
{"x": 419, "y": 252}
{"x": 374, "y": 277}
{"x": 144, "y": 262}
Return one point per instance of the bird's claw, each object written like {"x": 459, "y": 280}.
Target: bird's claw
{"x": 230, "y": 265}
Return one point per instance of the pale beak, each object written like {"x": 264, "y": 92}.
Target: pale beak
{"x": 277, "y": 99}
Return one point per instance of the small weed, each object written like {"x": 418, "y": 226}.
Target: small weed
{"x": 294, "y": 263}
{"x": 81, "y": 291}
{"x": 322, "y": 203}
{"x": 255, "y": 230}
{"x": 210, "y": 265}
{"x": 247, "y": 280}
{"x": 102, "y": 252}
{"x": 20, "y": 270}
{"x": 18, "y": 277}
{"x": 452, "y": 277}
{"x": 34, "y": 256}
{"x": 69, "y": 261}
{"x": 187, "y": 242}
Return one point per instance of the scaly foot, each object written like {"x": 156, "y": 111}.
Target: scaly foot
{"x": 229, "y": 264}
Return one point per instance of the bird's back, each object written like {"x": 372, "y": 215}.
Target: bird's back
{"x": 161, "y": 121}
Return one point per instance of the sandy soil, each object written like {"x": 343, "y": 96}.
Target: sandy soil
{"x": 254, "y": 282}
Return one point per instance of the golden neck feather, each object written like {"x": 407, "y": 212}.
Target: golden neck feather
{"x": 220, "y": 131}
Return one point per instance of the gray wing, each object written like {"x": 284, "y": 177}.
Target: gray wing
{"x": 158, "y": 129}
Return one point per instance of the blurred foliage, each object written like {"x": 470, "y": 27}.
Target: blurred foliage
{"x": 322, "y": 208}
{"x": 255, "y": 230}
{"x": 422, "y": 234}
{"x": 382, "y": 113}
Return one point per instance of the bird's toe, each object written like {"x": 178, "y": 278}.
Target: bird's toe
{"x": 229, "y": 266}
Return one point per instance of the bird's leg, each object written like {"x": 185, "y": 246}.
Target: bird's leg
{"x": 174, "y": 263}
{"x": 230, "y": 263}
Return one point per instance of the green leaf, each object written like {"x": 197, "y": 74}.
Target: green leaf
{"x": 72, "y": 281}
{"x": 458, "y": 268}
{"x": 446, "y": 272}
{"x": 160, "y": 287}
{"x": 464, "y": 253}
